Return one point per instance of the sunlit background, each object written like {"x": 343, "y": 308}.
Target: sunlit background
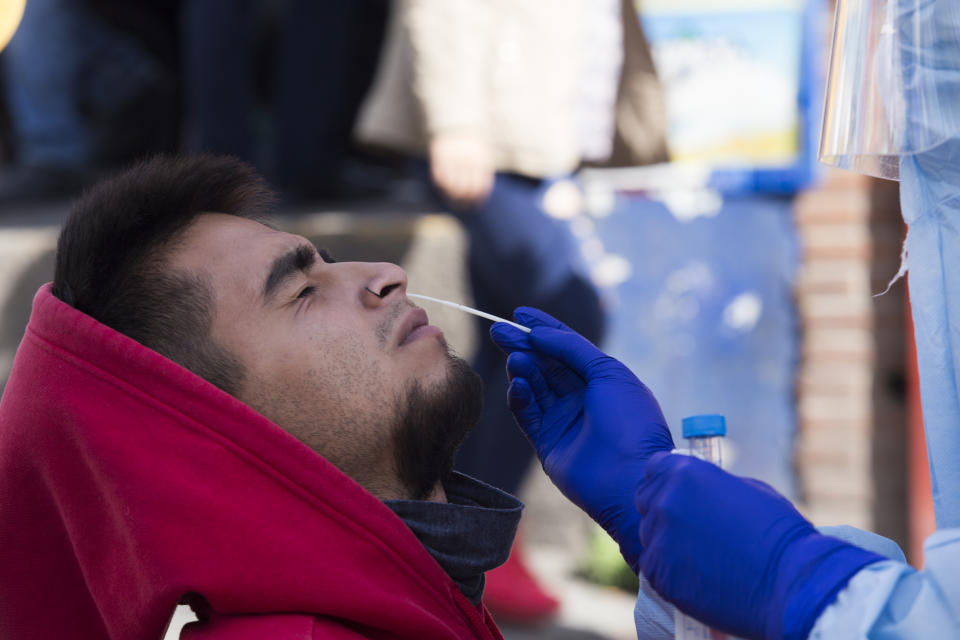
{"x": 739, "y": 278}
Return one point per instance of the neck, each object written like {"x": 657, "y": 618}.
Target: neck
{"x": 438, "y": 494}
{"x": 396, "y": 491}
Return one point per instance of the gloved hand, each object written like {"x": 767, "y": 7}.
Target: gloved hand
{"x": 592, "y": 423}
{"x": 734, "y": 553}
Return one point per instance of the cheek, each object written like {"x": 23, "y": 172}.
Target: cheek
{"x": 335, "y": 401}
{"x": 427, "y": 362}
{"x": 349, "y": 374}
{"x": 339, "y": 377}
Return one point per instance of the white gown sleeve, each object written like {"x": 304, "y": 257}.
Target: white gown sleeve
{"x": 892, "y": 601}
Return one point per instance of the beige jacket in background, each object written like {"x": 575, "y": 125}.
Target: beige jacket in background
{"x": 507, "y": 69}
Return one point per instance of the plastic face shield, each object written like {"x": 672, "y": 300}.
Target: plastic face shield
{"x": 893, "y": 111}
{"x": 894, "y": 83}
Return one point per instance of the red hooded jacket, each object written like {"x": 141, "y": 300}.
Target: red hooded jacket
{"x": 126, "y": 482}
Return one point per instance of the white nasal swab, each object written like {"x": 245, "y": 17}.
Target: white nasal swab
{"x": 476, "y": 312}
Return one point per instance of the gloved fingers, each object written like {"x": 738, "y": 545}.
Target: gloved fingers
{"x": 558, "y": 377}
{"x": 522, "y": 365}
{"x": 530, "y": 318}
{"x": 509, "y": 338}
{"x": 523, "y": 405}
{"x": 562, "y": 379}
{"x": 578, "y": 353}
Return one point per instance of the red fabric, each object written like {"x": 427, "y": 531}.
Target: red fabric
{"x": 126, "y": 482}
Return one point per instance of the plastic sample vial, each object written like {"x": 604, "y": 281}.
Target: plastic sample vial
{"x": 704, "y": 435}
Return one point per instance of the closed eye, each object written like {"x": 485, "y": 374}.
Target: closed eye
{"x": 306, "y": 292}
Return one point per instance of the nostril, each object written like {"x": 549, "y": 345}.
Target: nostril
{"x": 387, "y": 289}
{"x": 383, "y": 292}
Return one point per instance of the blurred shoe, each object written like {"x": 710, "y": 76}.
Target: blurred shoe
{"x": 513, "y": 595}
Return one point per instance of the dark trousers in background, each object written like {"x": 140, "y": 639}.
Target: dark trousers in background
{"x": 518, "y": 255}
{"x": 279, "y": 83}
{"x": 84, "y": 90}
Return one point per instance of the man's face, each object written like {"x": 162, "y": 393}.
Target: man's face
{"x": 332, "y": 352}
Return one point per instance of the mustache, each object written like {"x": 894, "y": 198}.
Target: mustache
{"x": 386, "y": 325}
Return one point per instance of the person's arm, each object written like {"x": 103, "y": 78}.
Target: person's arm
{"x": 735, "y": 554}
{"x": 654, "y": 617}
{"x": 592, "y": 422}
{"x": 892, "y": 601}
{"x": 450, "y": 45}
{"x": 450, "y": 41}
{"x": 729, "y": 551}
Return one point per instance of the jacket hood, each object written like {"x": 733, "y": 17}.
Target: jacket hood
{"x": 126, "y": 482}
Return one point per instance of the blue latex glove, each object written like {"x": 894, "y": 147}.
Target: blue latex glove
{"x": 734, "y": 553}
{"x": 592, "y": 423}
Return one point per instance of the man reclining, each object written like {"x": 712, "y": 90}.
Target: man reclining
{"x": 208, "y": 410}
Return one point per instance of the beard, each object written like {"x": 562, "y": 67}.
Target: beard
{"x": 432, "y": 424}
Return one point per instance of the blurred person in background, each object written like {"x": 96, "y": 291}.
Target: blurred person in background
{"x": 278, "y": 83}
{"x": 500, "y": 102}
{"x": 86, "y": 86}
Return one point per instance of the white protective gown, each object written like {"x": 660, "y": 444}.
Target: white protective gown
{"x": 890, "y": 600}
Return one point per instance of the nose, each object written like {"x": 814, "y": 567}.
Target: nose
{"x": 384, "y": 281}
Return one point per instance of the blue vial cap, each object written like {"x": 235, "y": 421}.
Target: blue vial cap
{"x": 704, "y": 425}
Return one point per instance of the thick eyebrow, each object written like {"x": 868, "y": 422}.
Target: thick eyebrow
{"x": 298, "y": 259}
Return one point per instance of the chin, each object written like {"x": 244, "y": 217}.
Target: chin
{"x": 435, "y": 363}
{"x": 433, "y": 421}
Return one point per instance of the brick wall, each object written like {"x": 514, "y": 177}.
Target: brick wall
{"x": 851, "y": 443}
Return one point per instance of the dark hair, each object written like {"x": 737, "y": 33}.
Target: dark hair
{"x": 111, "y": 255}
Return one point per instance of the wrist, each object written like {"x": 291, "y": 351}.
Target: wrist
{"x": 627, "y": 535}
{"x": 812, "y": 570}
